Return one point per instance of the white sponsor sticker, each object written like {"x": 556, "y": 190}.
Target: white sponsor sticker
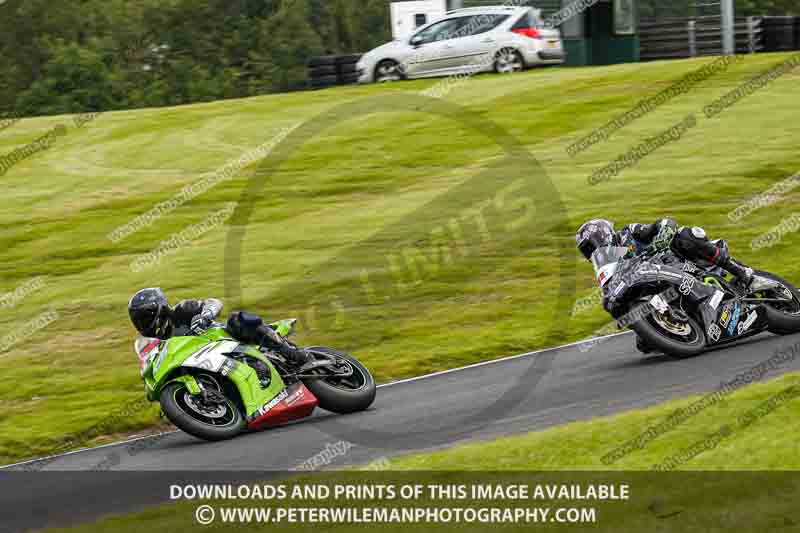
{"x": 716, "y": 299}
{"x": 744, "y": 326}
{"x": 714, "y": 332}
{"x": 659, "y": 304}
{"x": 619, "y": 288}
{"x": 272, "y": 403}
{"x": 687, "y": 285}
{"x": 211, "y": 357}
{"x": 296, "y": 397}
{"x": 606, "y": 273}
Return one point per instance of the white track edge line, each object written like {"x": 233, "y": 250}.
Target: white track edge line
{"x": 399, "y": 382}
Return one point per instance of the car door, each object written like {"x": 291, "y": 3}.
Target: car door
{"x": 475, "y": 50}
{"x": 433, "y": 47}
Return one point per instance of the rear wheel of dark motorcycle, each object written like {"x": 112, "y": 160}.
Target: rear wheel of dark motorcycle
{"x": 783, "y": 319}
{"x": 683, "y": 340}
{"x": 350, "y": 394}
{"x": 208, "y": 422}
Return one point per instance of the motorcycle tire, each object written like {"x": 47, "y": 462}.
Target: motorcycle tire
{"x": 780, "y": 322}
{"x": 657, "y": 340}
{"x": 356, "y": 393}
{"x": 173, "y": 403}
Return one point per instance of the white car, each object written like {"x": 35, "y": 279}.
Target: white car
{"x": 502, "y": 39}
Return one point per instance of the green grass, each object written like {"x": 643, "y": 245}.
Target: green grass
{"x": 761, "y": 445}
{"x": 353, "y": 198}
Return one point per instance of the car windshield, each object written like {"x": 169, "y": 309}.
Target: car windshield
{"x": 605, "y": 261}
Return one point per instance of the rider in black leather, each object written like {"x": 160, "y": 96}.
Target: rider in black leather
{"x": 153, "y": 317}
{"x": 691, "y": 243}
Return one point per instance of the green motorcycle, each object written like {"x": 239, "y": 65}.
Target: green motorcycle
{"x": 214, "y": 387}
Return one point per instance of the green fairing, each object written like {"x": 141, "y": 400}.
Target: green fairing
{"x": 284, "y": 327}
{"x": 190, "y": 382}
{"x": 163, "y": 366}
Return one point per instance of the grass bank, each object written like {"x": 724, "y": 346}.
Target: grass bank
{"x": 372, "y": 193}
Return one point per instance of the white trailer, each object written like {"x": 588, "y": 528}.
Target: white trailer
{"x": 410, "y": 15}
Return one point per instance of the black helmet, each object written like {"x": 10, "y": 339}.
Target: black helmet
{"x": 593, "y": 235}
{"x": 150, "y": 313}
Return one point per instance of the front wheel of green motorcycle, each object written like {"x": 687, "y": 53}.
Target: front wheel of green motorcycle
{"x": 347, "y": 389}
{"x": 213, "y": 417}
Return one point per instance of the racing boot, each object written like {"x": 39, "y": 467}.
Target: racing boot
{"x": 295, "y": 356}
{"x": 273, "y": 341}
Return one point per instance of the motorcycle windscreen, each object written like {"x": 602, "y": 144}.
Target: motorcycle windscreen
{"x": 606, "y": 261}
{"x": 144, "y": 348}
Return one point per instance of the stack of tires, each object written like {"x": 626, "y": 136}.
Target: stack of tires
{"x": 780, "y": 34}
{"x": 322, "y": 72}
{"x": 346, "y": 68}
{"x": 328, "y": 71}
{"x": 797, "y": 33}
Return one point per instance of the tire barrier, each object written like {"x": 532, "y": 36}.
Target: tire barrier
{"x": 333, "y": 70}
{"x": 780, "y": 34}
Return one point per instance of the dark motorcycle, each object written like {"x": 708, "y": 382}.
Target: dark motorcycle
{"x": 683, "y": 308}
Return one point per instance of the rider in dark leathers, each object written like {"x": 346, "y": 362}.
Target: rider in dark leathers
{"x": 690, "y": 243}
{"x": 153, "y": 317}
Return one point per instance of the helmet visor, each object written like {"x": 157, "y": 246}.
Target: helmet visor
{"x": 144, "y": 318}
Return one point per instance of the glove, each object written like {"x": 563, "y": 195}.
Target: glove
{"x": 667, "y": 229}
{"x": 200, "y": 323}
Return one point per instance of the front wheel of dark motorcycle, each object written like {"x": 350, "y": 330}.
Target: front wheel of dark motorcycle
{"x": 783, "y": 318}
{"x": 343, "y": 394}
{"x": 208, "y": 421}
{"x": 678, "y": 339}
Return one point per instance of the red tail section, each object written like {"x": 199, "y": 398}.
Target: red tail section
{"x": 298, "y": 403}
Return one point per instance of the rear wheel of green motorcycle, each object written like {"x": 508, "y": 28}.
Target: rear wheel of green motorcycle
{"x": 678, "y": 339}
{"x": 783, "y": 318}
{"x": 343, "y": 395}
{"x": 213, "y": 422}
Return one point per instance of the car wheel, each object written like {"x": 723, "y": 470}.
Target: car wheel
{"x": 508, "y": 61}
{"x": 388, "y": 70}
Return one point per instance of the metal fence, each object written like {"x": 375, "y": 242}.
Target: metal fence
{"x": 698, "y": 36}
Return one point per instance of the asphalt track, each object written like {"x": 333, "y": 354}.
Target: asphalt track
{"x": 510, "y": 396}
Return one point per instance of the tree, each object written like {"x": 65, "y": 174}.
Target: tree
{"x": 294, "y": 42}
{"x": 74, "y": 79}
